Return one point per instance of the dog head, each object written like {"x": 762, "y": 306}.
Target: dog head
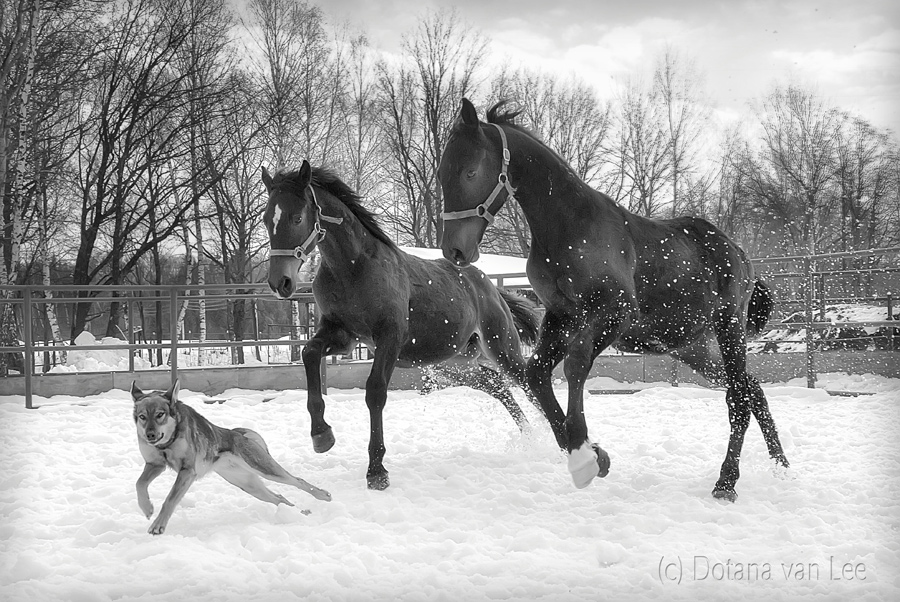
{"x": 155, "y": 414}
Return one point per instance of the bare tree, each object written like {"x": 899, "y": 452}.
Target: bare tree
{"x": 301, "y": 80}
{"x": 866, "y": 160}
{"x": 237, "y": 248}
{"x": 133, "y": 119}
{"x": 19, "y": 36}
{"x": 419, "y": 99}
{"x": 678, "y": 86}
{"x": 644, "y": 166}
{"x": 798, "y": 160}
{"x": 569, "y": 117}
{"x": 362, "y": 157}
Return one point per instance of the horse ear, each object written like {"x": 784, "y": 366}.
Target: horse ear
{"x": 136, "y": 392}
{"x": 305, "y": 173}
{"x": 468, "y": 113}
{"x": 266, "y": 178}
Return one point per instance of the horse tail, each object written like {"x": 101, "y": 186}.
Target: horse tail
{"x": 525, "y": 316}
{"x": 760, "y": 309}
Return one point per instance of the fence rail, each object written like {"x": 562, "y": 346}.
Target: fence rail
{"x": 26, "y": 298}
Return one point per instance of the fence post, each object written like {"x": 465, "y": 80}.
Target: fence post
{"x": 810, "y": 284}
{"x": 130, "y": 327}
{"x": 173, "y": 333}
{"x": 29, "y": 344}
{"x": 673, "y": 374}
{"x": 890, "y": 316}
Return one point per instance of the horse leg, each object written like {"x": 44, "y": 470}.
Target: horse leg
{"x": 742, "y": 390}
{"x": 586, "y": 459}
{"x": 549, "y": 351}
{"x": 386, "y": 353}
{"x": 330, "y": 336}
{"x": 492, "y": 382}
{"x": 699, "y": 357}
{"x": 759, "y": 405}
{"x": 504, "y": 349}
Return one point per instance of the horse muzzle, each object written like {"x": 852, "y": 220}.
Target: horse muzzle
{"x": 283, "y": 276}
{"x": 460, "y": 241}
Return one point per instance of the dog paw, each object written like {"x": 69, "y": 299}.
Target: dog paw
{"x": 157, "y": 528}
{"x": 146, "y": 507}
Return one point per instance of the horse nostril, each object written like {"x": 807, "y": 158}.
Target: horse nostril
{"x": 285, "y": 287}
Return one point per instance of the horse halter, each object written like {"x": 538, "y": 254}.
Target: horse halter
{"x": 303, "y": 250}
{"x": 484, "y": 209}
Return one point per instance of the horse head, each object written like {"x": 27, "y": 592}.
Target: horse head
{"x": 292, "y": 221}
{"x": 473, "y": 177}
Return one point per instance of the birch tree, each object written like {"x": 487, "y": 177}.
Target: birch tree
{"x": 19, "y": 24}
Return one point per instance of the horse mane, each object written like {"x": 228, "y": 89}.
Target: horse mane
{"x": 328, "y": 181}
{"x": 507, "y": 118}
{"x": 495, "y": 116}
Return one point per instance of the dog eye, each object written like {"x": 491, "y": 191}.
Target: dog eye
{"x": 142, "y": 417}
{"x": 159, "y": 415}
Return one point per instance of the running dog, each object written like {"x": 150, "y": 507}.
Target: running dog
{"x": 173, "y": 434}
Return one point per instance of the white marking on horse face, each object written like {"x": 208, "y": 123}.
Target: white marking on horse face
{"x": 276, "y": 217}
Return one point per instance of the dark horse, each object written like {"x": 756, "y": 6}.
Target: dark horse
{"x": 608, "y": 277}
{"x": 409, "y": 309}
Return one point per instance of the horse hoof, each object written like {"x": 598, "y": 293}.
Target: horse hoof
{"x": 603, "y": 461}
{"x": 729, "y": 495}
{"x": 378, "y": 482}
{"x": 323, "y": 441}
{"x": 587, "y": 462}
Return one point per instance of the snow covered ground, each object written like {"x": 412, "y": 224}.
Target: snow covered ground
{"x": 476, "y": 510}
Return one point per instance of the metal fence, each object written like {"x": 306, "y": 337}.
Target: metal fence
{"x": 810, "y": 294}
{"x": 26, "y": 299}
{"x": 807, "y": 279}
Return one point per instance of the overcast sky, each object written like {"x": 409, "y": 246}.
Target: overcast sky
{"x": 848, "y": 50}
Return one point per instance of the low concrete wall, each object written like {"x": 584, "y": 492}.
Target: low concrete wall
{"x": 775, "y": 367}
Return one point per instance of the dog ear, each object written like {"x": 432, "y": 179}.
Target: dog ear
{"x": 172, "y": 393}
{"x": 136, "y": 393}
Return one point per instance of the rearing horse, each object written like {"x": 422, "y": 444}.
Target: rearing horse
{"x": 607, "y": 277}
{"x": 409, "y": 309}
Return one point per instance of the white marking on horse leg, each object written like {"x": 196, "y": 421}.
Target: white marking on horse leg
{"x": 583, "y": 465}
{"x": 276, "y": 217}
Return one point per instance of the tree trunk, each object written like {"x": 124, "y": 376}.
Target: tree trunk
{"x": 13, "y": 229}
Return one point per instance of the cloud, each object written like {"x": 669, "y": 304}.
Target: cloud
{"x": 850, "y": 49}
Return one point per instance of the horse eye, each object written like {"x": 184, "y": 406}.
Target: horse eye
{"x": 471, "y": 173}
{"x": 296, "y": 218}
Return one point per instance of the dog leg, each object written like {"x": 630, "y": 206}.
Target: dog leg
{"x": 183, "y": 482}
{"x": 151, "y": 471}
{"x": 253, "y": 436}
{"x": 236, "y": 472}
{"x": 263, "y": 464}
